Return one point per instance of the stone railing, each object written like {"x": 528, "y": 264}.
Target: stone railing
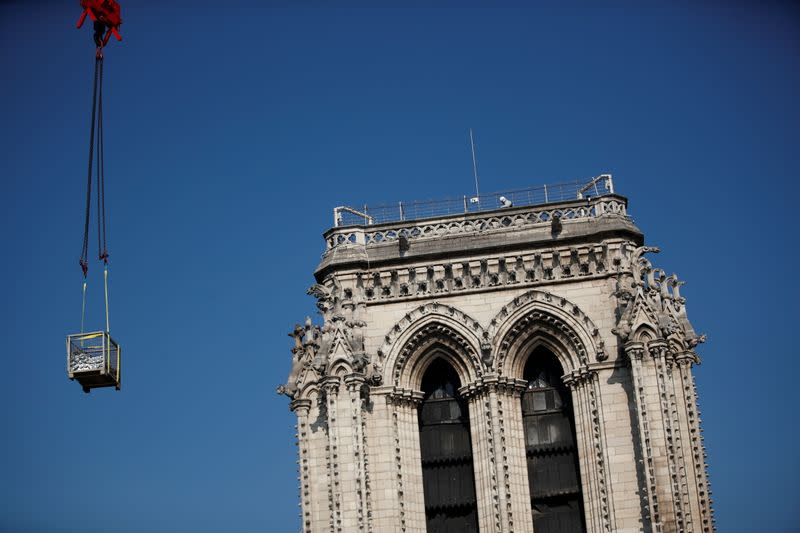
{"x": 501, "y": 219}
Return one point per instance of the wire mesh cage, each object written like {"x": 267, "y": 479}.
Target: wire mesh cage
{"x": 94, "y": 359}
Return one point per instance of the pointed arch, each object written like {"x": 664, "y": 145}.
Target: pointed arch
{"x": 340, "y": 367}
{"x": 428, "y": 332}
{"x": 538, "y": 318}
{"x": 645, "y": 333}
{"x": 447, "y": 312}
{"x": 307, "y": 382}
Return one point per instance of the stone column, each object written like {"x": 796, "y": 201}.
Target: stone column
{"x": 498, "y": 455}
{"x": 635, "y": 353}
{"x": 355, "y": 482}
{"x": 301, "y": 408}
{"x": 482, "y": 461}
{"x": 513, "y": 459}
{"x": 575, "y": 382}
{"x": 399, "y": 505}
{"x": 382, "y": 463}
{"x": 694, "y": 454}
{"x": 491, "y": 505}
{"x": 330, "y": 386}
{"x": 601, "y": 452}
{"x": 312, "y": 436}
{"x": 593, "y": 461}
{"x": 672, "y": 459}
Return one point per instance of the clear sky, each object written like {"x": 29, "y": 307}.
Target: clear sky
{"x": 233, "y": 129}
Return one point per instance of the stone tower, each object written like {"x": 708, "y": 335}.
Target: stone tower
{"x": 515, "y": 367}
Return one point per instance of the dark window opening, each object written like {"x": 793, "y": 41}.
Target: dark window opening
{"x": 446, "y": 450}
{"x": 553, "y": 473}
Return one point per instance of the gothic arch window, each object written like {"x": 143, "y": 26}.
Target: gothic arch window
{"x": 446, "y": 451}
{"x": 550, "y": 445}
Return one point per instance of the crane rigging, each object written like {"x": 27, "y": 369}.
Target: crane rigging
{"x": 94, "y": 358}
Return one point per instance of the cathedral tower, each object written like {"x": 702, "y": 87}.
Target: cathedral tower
{"x": 501, "y": 364}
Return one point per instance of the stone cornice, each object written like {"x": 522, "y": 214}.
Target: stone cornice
{"x": 492, "y": 288}
{"x": 354, "y": 254}
{"x": 456, "y": 274}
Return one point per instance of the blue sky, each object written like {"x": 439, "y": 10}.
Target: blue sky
{"x": 234, "y": 128}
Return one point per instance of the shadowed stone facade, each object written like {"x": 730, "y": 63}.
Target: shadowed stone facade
{"x": 482, "y": 291}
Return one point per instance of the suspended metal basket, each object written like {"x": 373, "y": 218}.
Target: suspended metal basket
{"x": 94, "y": 359}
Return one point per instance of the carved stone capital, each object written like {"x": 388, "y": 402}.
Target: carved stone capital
{"x": 687, "y": 358}
{"x": 330, "y": 384}
{"x": 634, "y": 350}
{"x": 658, "y": 348}
{"x": 354, "y": 382}
{"x": 578, "y": 377}
{"x": 300, "y": 406}
{"x": 492, "y": 383}
{"x": 401, "y": 396}
{"x": 472, "y": 390}
{"x": 511, "y": 387}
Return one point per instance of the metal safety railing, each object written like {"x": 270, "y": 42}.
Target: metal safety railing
{"x": 402, "y": 211}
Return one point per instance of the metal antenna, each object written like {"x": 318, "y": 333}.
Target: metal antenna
{"x": 474, "y": 165}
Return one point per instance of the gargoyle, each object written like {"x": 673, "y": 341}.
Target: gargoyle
{"x": 324, "y": 297}
{"x": 298, "y": 353}
{"x": 639, "y": 264}
{"x": 694, "y": 341}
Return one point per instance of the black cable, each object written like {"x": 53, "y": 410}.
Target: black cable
{"x": 100, "y": 176}
{"x": 102, "y": 173}
{"x": 85, "y": 249}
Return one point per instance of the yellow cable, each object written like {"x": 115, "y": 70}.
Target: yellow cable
{"x": 105, "y": 282}
{"x": 83, "y": 305}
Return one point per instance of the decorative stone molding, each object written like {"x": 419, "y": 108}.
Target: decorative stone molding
{"x": 335, "y": 348}
{"x": 532, "y": 312}
{"x": 518, "y": 218}
{"x": 436, "y": 335}
{"x": 493, "y": 273}
{"x": 649, "y": 301}
{"x": 534, "y": 324}
{"x": 652, "y": 319}
{"x": 445, "y": 313}
{"x": 555, "y": 310}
